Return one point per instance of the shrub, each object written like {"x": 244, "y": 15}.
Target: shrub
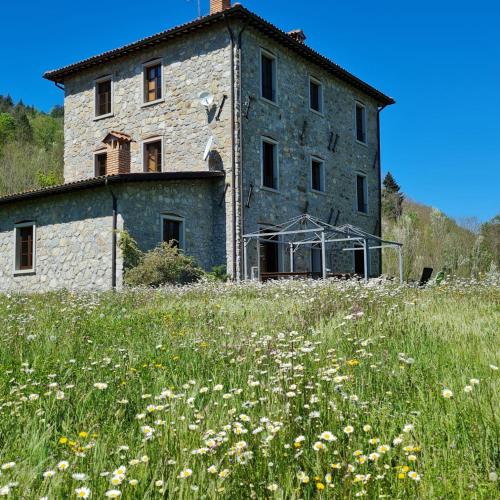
{"x": 163, "y": 265}
{"x": 132, "y": 255}
{"x": 218, "y": 273}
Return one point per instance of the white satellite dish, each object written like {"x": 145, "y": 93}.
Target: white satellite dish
{"x": 208, "y": 148}
{"x": 206, "y": 99}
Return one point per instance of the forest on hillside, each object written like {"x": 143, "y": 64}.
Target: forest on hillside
{"x": 31, "y": 156}
{"x": 31, "y": 146}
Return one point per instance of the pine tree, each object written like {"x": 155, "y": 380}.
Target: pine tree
{"x": 392, "y": 198}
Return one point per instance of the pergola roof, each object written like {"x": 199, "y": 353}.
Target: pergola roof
{"x": 306, "y": 229}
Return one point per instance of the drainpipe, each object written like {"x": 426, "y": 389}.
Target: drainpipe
{"x": 379, "y": 110}
{"x": 233, "y": 148}
{"x": 236, "y": 158}
{"x": 113, "y": 235}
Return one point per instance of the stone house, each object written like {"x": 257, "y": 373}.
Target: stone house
{"x": 198, "y": 134}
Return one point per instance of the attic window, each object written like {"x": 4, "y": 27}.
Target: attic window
{"x": 268, "y": 76}
{"x": 103, "y": 96}
{"x": 152, "y": 81}
{"x": 360, "y": 123}
{"x": 315, "y": 95}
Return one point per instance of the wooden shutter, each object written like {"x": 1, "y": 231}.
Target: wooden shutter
{"x": 172, "y": 231}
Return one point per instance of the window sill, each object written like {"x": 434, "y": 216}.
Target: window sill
{"x": 24, "y": 272}
{"x": 364, "y": 214}
{"x": 102, "y": 117}
{"x": 316, "y": 191}
{"x": 365, "y": 144}
{"x": 152, "y": 103}
{"x": 319, "y": 113}
{"x": 269, "y": 189}
{"x": 273, "y": 103}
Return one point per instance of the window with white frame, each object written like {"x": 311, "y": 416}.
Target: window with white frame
{"x": 152, "y": 155}
{"x": 172, "y": 230}
{"x": 360, "y": 122}
{"x": 361, "y": 193}
{"x": 24, "y": 247}
{"x": 152, "y": 74}
{"x": 315, "y": 95}
{"x": 317, "y": 174}
{"x": 270, "y": 167}
{"x": 100, "y": 162}
{"x": 103, "y": 89}
{"x": 268, "y": 76}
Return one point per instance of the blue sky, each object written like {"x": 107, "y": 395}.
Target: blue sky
{"x": 439, "y": 59}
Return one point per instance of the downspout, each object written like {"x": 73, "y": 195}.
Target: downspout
{"x": 379, "y": 110}
{"x": 233, "y": 149}
{"x": 113, "y": 235}
{"x": 240, "y": 203}
{"x": 236, "y": 156}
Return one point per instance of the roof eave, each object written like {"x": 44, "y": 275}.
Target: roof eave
{"x": 237, "y": 10}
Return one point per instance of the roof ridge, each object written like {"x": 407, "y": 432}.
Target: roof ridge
{"x": 257, "y": 21}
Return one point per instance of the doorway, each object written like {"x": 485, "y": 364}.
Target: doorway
{"x": 359, "y": 261}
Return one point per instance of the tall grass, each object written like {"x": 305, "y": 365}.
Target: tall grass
{"x": 227, "y": 391}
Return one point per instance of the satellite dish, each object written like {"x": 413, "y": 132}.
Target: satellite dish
{"x": 206, "y": 99}
{"x": 208, "y": 148}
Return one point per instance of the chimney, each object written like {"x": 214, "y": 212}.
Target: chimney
{"x": 219, "y": 5}
{"x": 118, "y": 153}
{"x": 298, "y": 35}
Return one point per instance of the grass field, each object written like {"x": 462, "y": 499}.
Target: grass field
{"x": 288, "y": 390}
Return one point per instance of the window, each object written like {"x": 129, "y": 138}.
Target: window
{"x": 24, "y": 234}
{"x": 103, "y": 96}
{"x": 316, "y": 260}
{"x": 100, "y": 164}
{"x": 268, "y": 76}
{"x": 361, "y": 194}
{"x": 269, "y": 164}
{"x": 317, "y": 175}
{"x": 152, "y": 81}
{"x": 360, "y": 123}
{"x": 172, "y": 230}
{"x": 152, "y": 156}
{"x": 270, "y": 253}
{"x": 315, "y": 95}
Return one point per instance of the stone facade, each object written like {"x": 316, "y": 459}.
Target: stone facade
{"x": 301, "y": 134}
{"x": 73, "y": 239}
{"x": 72, "y": 243}
{"x": 191, "y": 64}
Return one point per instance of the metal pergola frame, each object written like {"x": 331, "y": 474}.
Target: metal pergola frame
{"x": 308, "y": 230}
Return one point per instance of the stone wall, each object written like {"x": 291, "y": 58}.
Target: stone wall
{"x": 73, "y": 242}
{"x": 74, "y": 231}
{"x": 302, "y": 133}
{"x": 196, "y": 201}
{"x": 191, "y": 64}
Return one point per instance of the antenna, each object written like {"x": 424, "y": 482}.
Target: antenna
{"x": 208, "y": 148}
{"x": 206, "y": 99}
{"x": 199, "y": 8}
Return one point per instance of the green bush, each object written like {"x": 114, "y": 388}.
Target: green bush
{"x": 163, "y": 265}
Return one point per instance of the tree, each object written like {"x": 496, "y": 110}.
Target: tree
{"x": 57, "y": 111}
{"x": 491, "y": 233}
{"x": 392, "y": 198}
{"x": 24, "y": 132}
{"x": 7, "y": 128}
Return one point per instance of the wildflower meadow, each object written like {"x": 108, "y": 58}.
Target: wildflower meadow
{"x": 288, "y": 390}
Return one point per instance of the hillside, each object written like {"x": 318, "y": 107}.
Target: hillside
{"x": 31, "y": 147}
{"x": 432, "y": 239}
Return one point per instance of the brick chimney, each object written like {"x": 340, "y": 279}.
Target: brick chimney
{"x": 117, "y": 153}
{"x": 298, "y": 35}
{"x": 219, "y": 5}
